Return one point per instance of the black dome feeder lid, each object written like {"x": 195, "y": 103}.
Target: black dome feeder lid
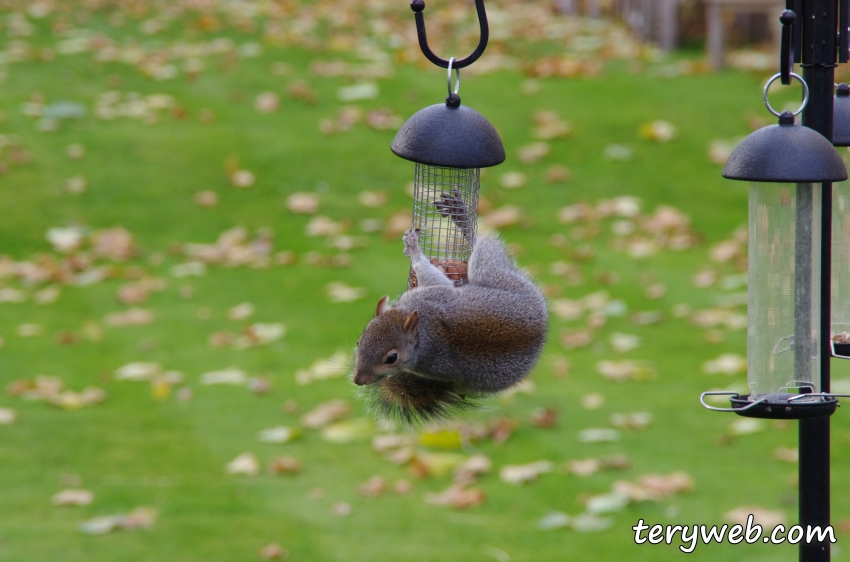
{"x": 456, "y": 137}
{"x": 841, "y": 116}
{"x": 785, "y": 153}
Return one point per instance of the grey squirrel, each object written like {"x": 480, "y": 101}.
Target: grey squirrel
{"x": 442, "y": 346}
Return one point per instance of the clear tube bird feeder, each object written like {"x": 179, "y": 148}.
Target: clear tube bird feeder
{"x": 784, "y": 298}
{"x": 786, "y": 165}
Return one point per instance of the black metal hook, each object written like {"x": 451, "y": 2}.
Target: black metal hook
{"x": 418, "y": 5}
{"x": 786, "y": 57}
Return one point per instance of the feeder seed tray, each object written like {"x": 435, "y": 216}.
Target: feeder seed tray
{"x": 841, "y": 344}
{"x": 785, "y": 406}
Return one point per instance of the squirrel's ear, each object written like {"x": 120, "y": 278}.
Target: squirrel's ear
{"x": 412, "y": 322}
{"x": 383, "y": 306}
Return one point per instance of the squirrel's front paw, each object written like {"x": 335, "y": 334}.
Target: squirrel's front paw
{"x": 411, "y": 244}
{"x": 452, "y": 206}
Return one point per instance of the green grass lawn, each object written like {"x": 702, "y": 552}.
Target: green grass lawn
{"x": 149, "y": 447}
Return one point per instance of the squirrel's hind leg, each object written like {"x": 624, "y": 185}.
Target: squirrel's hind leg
{"x": 427, "y": 274}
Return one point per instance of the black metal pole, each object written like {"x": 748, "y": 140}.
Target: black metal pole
{"x": 819, "y": 22}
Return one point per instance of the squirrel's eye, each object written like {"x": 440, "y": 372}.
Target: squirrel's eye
{"x": 358, "y": 342}
{"x": 391, "y": 358}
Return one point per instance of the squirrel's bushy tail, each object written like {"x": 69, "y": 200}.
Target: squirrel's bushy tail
{"x": 414, "y": 400}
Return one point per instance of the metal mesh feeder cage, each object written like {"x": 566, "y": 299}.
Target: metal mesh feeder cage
{"x": 449, "y": 144}
{"x": 786, "y": 165}
{"x": 445, "y": 203}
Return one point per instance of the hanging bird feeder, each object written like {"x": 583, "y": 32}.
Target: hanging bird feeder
{"x": 449, "y": 144}
{"x": 787, "y": 166}
{"x": 840, "y": 317}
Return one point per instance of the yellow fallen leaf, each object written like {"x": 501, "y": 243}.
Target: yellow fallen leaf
{"x": 441, "y": 438}
{"x": 658, "y": 130}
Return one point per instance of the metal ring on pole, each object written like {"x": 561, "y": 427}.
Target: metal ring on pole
{"x": 453, "y": 100}
{"x": 449, "y": 77}
{"x": 805, "y": 93}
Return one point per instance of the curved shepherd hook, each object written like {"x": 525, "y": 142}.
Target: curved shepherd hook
{"x": 418, "y": 5}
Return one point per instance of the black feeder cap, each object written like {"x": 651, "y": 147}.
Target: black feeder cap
{"x": 785, "y": 153}
{"x": 841, "y": 116}
{"x": 456, "y": 137}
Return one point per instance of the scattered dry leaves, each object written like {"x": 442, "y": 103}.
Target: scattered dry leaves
{"x": 471, "y": 469}
{"x": 767, "y": 518}
{"x": 325, "y": 414}
{"x": 245, "y": 463}
{"x": 130, "y": 317}
{"x": 73, "y": 497}
{"x": 626, "y": 370}
{"x": 726, "y": 364}
{"x": 374, "y": 487}
{"x": 522, "y": 473}
{"x": 335, "y": 366}
{"x": 139, "y": 518}
{"x": 457, "y": 496}
{"x": 303, "y": 203}
{"x": 7, "y": 416}
{"x": 658, "y": 131}
{"x": 284, "y": 465}
{"x": 274, "y": 551}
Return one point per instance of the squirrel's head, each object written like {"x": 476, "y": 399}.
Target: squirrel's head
{"x": 387, "y": 345}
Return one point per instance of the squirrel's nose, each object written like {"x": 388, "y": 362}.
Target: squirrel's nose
{"x": 361, "y": 378}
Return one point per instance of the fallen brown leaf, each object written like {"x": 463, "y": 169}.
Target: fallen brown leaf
{"x": 206, "y": 199}
{"x": 469, "y": 470}
{"x": 373, "y": 487}
{"x": 544, "y": 417}
{"x": 284, "y": 465}
{"x": 246, "y": 463}
{"x": 303, "y": 203}
{"x": 274, "y": 552}
{"x": 325, "y": 414}
{"x": 521, "y": 474}
{"x": 73, "y": 497}
{"x": 767, "y": 518}
{"x": 457, "y": 496}
{"x": 131, "y": 317}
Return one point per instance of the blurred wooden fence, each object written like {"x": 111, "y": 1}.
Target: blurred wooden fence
{"x": 658, "y": 21}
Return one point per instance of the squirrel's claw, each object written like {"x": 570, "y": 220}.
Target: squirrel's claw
{"x": 411, "y": 244}
{"x": 452, "y": 205}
